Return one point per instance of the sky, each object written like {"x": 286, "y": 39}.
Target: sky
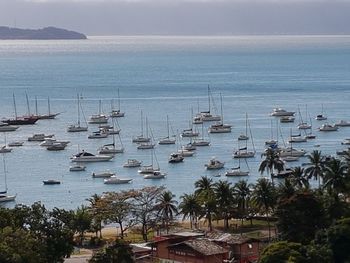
{"x": 181, "y": 17}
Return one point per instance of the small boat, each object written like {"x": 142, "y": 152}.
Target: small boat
{"x": 52, "y": 141}
{"x": 148, "y": 169}
{"x": 346, "y": 142}
{"x": 110, "y": 150}
{"x": 7, "y": 198}
{"x": 155, "y": 175}
{"x": 243, "y": 153}
{"x": 279, "y": 112}
{"x": 145, "y": 146}
{"x": 189, "y": 147}
{"x": 297, "y": 138}
{"x": 89, "y": 157}
{"x": 243, "y": 137}
{"x": 219, "y": 128}
{"x": 98, "y": 118}
{"x": 5, "y": 149}
{"x": 343, "y": 152}
{"x": 132, "y": 163}
{"x": 4, "y": 127}
{"x": 51, "y": 181}
{"x": 287, "y": 119}
{"x": 320, "y": 117}
{"x": 283, "y": 152}
{"x": 189, "y": 133}
{"x": 310, "y": 136}
{"x": 328, "y": 127}
{"x": 141, "y": 138}
{"x": 116, "y": 180}
{"x": 283, "y": 174}
{"x": 271, "y": 142}
{"x": 214, "y": 164}
{"x": 185, "y": 153}
{"x": 76, "y": 128}
{"x": 16, "y": 144}
{"x": 168, "y": 139}
{"x": 201, "y": 143}
{"x": 39, "y": 137}
{"x": 304, "y": 126}
{"x": 77, "y": 168}
{"x": 116, "y": 113}
{"x": 290, "y": 158}
{"x": 342, "y": 123}
{"x": 176, "y": 158}
{"x": 105, "y": 174}
{"x": 197, "y": 119}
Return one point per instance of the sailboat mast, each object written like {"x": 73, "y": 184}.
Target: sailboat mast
{"x": 5, "y": 173}
{"x": 36, "y": 106}
{"x": 118, "y": 100}
{"x": 167, "y": 124}
{"x": 48, "y": 105}
{"x": 78, "y": 110}
{"x": 141, "y": 123}
{"x": 222, "y": 112}
{"x": 99, "y": 107}
{"x": 209, "y": 97}
{"x": 14, "y": 104}
{"x": 28, "y": 109}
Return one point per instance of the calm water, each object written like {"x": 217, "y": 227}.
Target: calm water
{"x": 164, "y": 76}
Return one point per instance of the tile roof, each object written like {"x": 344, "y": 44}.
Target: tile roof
{"x": 203, "y": 246}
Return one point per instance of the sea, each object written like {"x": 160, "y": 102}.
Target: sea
{"x": 165, "y": 76}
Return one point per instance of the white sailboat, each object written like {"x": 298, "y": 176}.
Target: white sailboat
{"x": 207, "y": 115}
{"x": 303, "y": 125}
{"x": 112, "y": 148}
{"x": 243, "y": 152}
{"x": 149, "y": 144}
{"x": 201, "y": 141}
{"x": 4, "y": 148}
{"x": 100, "y": 117}
{"x": 220, "y": 127}
{"x": 4, "y": 197}
{"x": 272, "y": 141}
{"x": 167, "y": 139}
{"x": 244, "y": 137}
{"x": 77, "y": 127}
{"x": 141, "y": 138}
{"x": 150, "y": 169}
{"x": 321, "y": 117}
{"x": 236, "y": 171}
{"x": 116, "y": 113}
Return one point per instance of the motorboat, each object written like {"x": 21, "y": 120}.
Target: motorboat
{"x": 116, "y": 180}
{"x": 320, "y": 117}
{"x": 207, "y": 116}
{"x": 4, "y": 127}
{"x": 243, "y": 154}
{"x": 185, "y": 153}
{"x": 16, "y": 144}
{"x": 310, "y": 136}
{"x": 98, "y": 119}
{"x": 197, "y": 119}
{"x": 77, "y": 168}
{"x": 342, "y": 123}
{"x": 89, "y": 157}
{"x": 5, "y": 149}
{"x": 346, "y": 142}
{"x": 271, "y": 142}
{"x": 189, "y": 133}
{"x": 236, "y": 172}
{"x": 56, "y": 147}
{"x": 287, "y": 119}
{"x": 76, "y": 128}
{"x": 107, "y": 149}
{"x": 243, "y": 137}
{"x": 51, "y": 182}
{"x": 279, "y": 112}
{"x": 189, "y": 147}
{"x": 176, "y": 158}
{"x": 132, "y": 163}
{"x": 145, "y": 146}
{"x": 166, "y": 141}
{"x": 328, "y": 127}
{"x": 39, "y": 137}
{"x": 7, "y": 198}
{"x": 105, "y": 174}
{"x": 290, "y": 158}
{"x": 283, "y": 174}
{"x": 98, "y": 135}
{"x": 155, "y": 175}
{"x": 283, "y": 152}
{"x": 200, "y": 143}
{"x": 304, "y": 126}
{"x": 52, "y": 141}
{"x": 214, "y": 164}
{"x": 297, "y": 138}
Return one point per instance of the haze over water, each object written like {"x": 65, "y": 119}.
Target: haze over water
{"x": 165, "y": 76}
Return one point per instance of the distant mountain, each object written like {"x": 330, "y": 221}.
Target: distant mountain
{"x": 44, "y": 33}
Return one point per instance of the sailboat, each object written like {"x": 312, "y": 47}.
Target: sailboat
{"x": 4, "y": 197}
{"x": 150, "y": 169}
{"x": 77, "y": 127}
{"x": 243, "y": 137}
{"x": 201, "y": 141}
{"x": 243, "y": 152}
{"x": 167, "y": 139}
{"x": 272, "y": 141}
{"x": 236, "y": 171}
{"x": 303, "y": 125}
{"x": 111, "y": 148}
{"x": 141, "y": 138}
{"x": 220, "y": 127}
{"x": 190, "y": 132}
{"x": 47, "y": 116}
{"x": 291, "y": 157}
{"x": 321, "y": 117}
{"x": 117, "y": 113}
{"x": 4, "y": 148}
{"x": 147, "y": 145}
{"x": 206, "y": 115}
{"x": 24, "y": 120}
{"x": 100, "y": 117}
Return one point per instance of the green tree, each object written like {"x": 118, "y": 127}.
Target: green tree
{"x": 335, "y": 177}
{"x": 264, "y": 197}
{"x": 242, "y": 193}
{"x": 338, "y": 237}
{"x": 82, "y": 221}
{"x": 315, "y": 169}
{"x": 271, "y": 162}
{"x": 167, "y": 208}
{"x": 225, "y": 200}
{"x": 286, "y": 189}
{"x": 120, "y": 252}
{"x": 298, "y": 178}
{"x": 283, "y": 252}
{"x": 190, "y": 208}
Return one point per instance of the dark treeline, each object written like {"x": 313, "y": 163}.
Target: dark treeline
{"x": 305, "y": 224}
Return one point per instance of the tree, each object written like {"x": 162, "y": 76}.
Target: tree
{"x": 224, "y": 197}
{"x": 315, "y": 170}
{"x": 167, "y": 208}
{"x": 120, "y": 252}
{"x": 97, "y": 208}
{"x": 271, "y": 162}
{"x": 82, "y": 220}
{"x": 283, "y": 252}
{"x": 338, "y": 237}
{"x": 190, "y": 208}
{"x": 298, "y": 178}
{"x": 335, "y": 177}
{"x": 242, "y": 192}
{"x": 286, "y": 189}
{"x": 145, "y": 208}
{"x": 299, "y": 217}
{"x": 206, "y": 196}
{"x": 264, "y": 197}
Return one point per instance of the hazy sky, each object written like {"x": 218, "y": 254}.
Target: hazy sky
{"x": 181, "y": 17}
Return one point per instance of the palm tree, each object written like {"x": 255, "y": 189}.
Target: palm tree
{"x": 335, "y": 176}
{"x": 264, "y": 197}
{"x": 225, "y": 200}
{"x": 298, "y": 178}
{"x": 272, "y": 162}
{"x": 206, "y": 195}
{"x": 97, "y": 208}
{"x": 190, "y": 208}
{"x": 242, "y": 193}
{"x": 286, "y": 189}
{"x": 315, "y": 170}
{"x": 167, "y": 208}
